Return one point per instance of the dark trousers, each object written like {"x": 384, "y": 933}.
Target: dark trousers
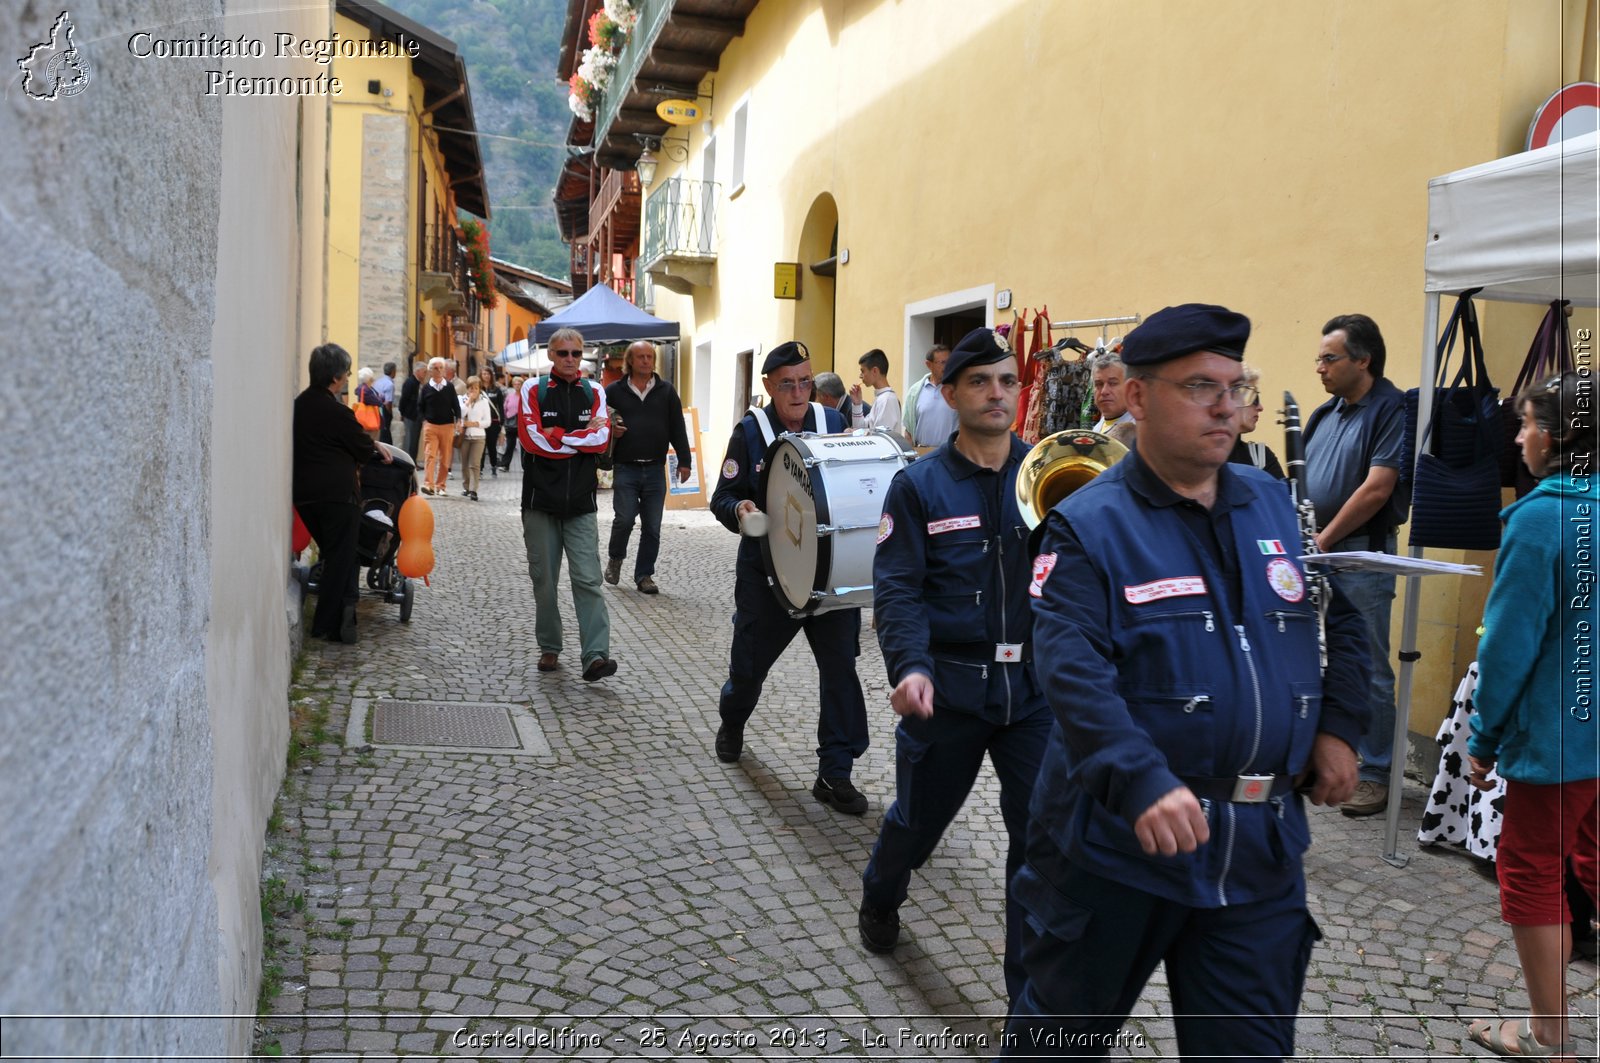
{"x": 491, "y": 436}
{"x": 638, "y": 491}
{"x": 936, "y": 762}
{"x": 413, "y": 436}
{"x": 1235, "y": 973}
{"x": 511, "y": 448}
{"x": 335, "y": 527}
{"x": 385, "y": 427}
{"x": 762, "y": 630}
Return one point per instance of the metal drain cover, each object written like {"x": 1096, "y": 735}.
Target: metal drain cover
{"x": 444, "y": 725}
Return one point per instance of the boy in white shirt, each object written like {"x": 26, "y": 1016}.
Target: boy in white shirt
{"x": 885, "y": 411}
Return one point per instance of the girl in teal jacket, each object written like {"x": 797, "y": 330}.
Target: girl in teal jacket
{"x": 1538, "y": 709}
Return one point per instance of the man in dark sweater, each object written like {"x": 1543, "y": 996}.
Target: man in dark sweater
{"x": 408, "y": 407}
{"x": 646, "y": 415}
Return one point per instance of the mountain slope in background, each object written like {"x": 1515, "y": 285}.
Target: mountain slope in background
{"x": 511, "y": 47}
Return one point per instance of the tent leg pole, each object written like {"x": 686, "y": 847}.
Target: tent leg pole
{"x": 1402, "y": 717}
{"x": 1408, "y": 624}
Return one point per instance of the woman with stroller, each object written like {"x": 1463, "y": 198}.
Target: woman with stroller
{"x": 1535, "y": 721}
{"x": 329, "y": 448}
{"x": 475, "y": 418}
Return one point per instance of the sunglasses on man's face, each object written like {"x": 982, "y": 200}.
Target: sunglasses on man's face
{"x": 566, "y": 354}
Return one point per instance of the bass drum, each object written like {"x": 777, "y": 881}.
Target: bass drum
{"x": 824, "y": 496}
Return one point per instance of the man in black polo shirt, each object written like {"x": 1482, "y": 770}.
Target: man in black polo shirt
{"x": 1353, "y": 457}
{"x": 646, "y": 415}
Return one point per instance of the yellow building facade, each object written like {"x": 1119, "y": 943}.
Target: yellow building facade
{"x": 1101, "y": 158}
{"x": 402, "y": 160}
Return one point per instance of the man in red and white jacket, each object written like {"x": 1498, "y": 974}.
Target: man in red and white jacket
{"x": 563, "y": 425}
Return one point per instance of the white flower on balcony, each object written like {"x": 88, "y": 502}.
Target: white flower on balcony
{"x": 580, "y": 107}
{"x": 596, "y": 67}
{"x": 622, "y": 12}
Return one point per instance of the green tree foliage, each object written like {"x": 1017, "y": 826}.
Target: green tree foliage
{"x": 511, "y": 48}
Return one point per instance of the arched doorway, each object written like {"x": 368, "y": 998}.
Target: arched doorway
{"x": 813, "y": 312}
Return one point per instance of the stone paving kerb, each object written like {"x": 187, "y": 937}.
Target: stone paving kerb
{"x": 629, "y": 896}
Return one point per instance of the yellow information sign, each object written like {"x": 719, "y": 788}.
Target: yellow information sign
{"x": 786, "y": 280}
{"x": 679, "y": 112}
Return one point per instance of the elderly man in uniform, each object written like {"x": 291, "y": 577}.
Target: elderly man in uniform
{"x": 762, "y": 628}
{"x": 955, "y": 622}
{"x": 1177, "y": 641}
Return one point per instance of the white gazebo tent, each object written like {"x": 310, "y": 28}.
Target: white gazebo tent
{"x": 1526, "y": 229}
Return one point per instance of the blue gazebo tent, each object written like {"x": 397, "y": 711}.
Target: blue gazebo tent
{"x": 603, "y": 316}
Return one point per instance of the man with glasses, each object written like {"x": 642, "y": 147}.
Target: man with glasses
{"x": 1177, "y": 645}
{"x": 1353, "y": 457}
{"x": 955, "y": 622}
{"x": 762, "y": 627}
{"x": 562, "y": 425}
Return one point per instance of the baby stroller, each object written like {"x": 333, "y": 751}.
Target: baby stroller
{"x": 385, "y": 486}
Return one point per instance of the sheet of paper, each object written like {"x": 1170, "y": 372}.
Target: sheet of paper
{"x": 1373, "y": 561}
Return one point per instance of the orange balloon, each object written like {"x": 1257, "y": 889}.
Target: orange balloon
{"x": 415, "y": 558}
{"x": 416, "y": 520}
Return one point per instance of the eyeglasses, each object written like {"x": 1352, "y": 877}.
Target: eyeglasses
{"x": 1329, "y": 359}
{"x": 798, "y": 384}
{"x": 566, "y": 354}
{"x": 1210, "y": 392}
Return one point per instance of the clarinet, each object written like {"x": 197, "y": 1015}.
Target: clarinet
{"x": 1294, "y": 449}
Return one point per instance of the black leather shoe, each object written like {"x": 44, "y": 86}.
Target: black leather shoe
{"x": 730, "y": 743}
{"x": 598, "y": 669}
{"x": 841, "y": 794}
{"x": 879, "y": 927}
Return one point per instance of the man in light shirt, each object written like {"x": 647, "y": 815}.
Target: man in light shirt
{"x": 885, "y": 411}
{"x": 1108, "y": 375}
{"x": 929, "y": 419}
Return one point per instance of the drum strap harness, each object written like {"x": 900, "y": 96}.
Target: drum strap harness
{"x": 764, "y": 421}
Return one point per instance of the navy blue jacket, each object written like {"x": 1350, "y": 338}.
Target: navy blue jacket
{"x": 949, "y": 582}
{"x": 1162, "y": 669}
{"x": 741, "y": 473}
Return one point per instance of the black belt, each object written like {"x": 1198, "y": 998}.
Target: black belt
{"x": 645, "y": 461}
{"x": 978, "y": 652}
{"x": 1229, "y": 788}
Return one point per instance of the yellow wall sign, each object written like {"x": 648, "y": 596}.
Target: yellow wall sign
{"x": 679, "y": 112}
{"x": 786, "y": 280}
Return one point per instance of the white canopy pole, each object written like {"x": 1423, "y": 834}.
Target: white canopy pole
{"x": 1408, "y": 623}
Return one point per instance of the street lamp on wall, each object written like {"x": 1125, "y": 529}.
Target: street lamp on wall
{"x": 676, "y": 150}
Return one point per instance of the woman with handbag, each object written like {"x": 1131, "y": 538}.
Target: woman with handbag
{"x": 369, "y": 404}
{"x": 492, "y": 391}
{"x": 1537, "y": 722}
{"x": 475, "y": 417}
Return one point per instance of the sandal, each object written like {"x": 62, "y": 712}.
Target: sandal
{"x": 1490, "y": 1033}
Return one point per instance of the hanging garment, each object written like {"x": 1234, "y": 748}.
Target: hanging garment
{"x": 1459, "y": 813}
{"x": 1068, "y": 396}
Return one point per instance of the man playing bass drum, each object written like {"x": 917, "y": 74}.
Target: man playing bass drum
{"x": 763, "y": 628}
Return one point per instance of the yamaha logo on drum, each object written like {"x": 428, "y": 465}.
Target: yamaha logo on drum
{"x": 797, "y": 469}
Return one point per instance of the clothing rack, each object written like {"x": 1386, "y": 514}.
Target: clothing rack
{"x": 1131, "y": 319}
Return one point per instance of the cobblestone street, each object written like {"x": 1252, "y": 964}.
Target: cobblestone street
{"x": 627, "y": 895}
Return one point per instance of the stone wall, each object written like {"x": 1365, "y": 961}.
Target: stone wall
{"x": 383, "y": 239}
{"x": 143, "y": 533}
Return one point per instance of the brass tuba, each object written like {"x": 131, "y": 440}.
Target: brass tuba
{"x": 1058, "y": 465}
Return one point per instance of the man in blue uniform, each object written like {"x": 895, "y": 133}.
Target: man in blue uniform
{"x": 950, "y": 581}
{"x": 762, "y": 627}
{"x": 1177, "y": 642}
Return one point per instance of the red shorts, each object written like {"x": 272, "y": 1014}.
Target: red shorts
{"x": 1542, "y": 828}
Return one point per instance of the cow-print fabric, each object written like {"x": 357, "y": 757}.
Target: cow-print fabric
{"x": 1459, "y": 813}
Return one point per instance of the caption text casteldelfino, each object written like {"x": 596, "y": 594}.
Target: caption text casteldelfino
{"x": 320, "y": 50}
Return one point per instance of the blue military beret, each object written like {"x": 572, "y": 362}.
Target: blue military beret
{"x": 1175, "y": 331}
{"x": 792, "y": 353}
{"x": 981, "y": 346}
